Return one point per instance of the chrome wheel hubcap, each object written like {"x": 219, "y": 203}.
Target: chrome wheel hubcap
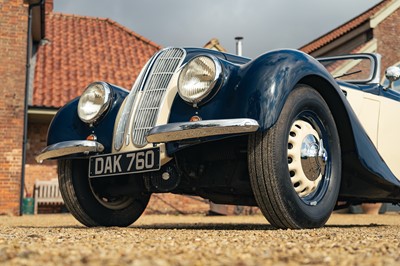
{"x": 313, "y": 157}
{"x": 307, "y": 158}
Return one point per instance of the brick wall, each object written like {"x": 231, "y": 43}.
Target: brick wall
{"x": 37, "y": 135}
{"x": 387, "y": 34}
{"x": 13, "y": 30}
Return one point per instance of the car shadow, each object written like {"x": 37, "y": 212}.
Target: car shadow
{"x": 372, "y": 225}
{"x": 204, "y": 226}
{"x": 236, "y": 227}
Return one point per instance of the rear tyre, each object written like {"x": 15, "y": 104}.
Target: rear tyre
{"x": 88, "y": 203}
{"x": 295, "y": 166}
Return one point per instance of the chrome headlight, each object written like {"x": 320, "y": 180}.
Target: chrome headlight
{"x": 198, "y": 78}
{"x": 94, "y": 101}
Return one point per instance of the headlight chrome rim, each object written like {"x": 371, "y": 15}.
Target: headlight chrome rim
{"x": 214, "y": 84}
{"x": 102, "y": 106}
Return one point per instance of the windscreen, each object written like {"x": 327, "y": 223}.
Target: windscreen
{"x": 358, "y": 69}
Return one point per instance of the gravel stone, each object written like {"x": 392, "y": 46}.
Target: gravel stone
{"x": 158, "y": 240}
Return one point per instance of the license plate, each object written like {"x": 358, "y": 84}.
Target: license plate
{"x": 125, "y": 163}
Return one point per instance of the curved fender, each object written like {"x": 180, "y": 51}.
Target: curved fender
{"x": 66, "y": 124}
{"x": 267, "y": 81}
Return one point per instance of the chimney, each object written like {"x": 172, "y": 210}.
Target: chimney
{"x": 48, "y": 6}
{"x": 239, "y": 45}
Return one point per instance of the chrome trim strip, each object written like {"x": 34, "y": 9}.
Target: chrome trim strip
{"x": 206, "y": 128}
{"x": 153, "y": 91}
{"x": 69, "y": 147}
{"x": 121, "y": 134}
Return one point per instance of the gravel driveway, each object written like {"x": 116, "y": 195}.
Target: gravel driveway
{"x": 197, "y": 240}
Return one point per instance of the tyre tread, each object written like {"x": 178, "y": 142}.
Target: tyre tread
{"x": 264, "y": 162}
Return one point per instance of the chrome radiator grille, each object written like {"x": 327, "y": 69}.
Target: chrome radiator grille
{"x": 153, "y": 93}
{"x": 121, "y": 130}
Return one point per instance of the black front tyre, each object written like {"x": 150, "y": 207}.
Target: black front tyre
{"x": 89, "y": 205}
{"x": 295, "y": 166}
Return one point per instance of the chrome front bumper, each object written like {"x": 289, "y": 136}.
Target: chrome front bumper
{"x": 206, "y": 128}
{"x": 158, "y": 134}
{"x": 68, "y": 148}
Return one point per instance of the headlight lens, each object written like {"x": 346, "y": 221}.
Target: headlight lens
{"x": 198, "y": 78}
{"x": 94, "y": 101}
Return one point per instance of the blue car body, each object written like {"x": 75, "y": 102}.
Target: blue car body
{"x": 207, "y": 143}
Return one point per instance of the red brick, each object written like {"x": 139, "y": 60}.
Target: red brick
{"x": 13, "y": 21}
{"x": 387, "y": 34}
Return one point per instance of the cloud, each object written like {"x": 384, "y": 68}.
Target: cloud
{"x": 264, "y": 24}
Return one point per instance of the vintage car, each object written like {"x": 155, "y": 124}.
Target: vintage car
{"x": 285, "y": 132}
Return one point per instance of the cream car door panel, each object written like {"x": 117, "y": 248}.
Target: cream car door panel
{"x": 367, "y": 111}
{"x": 380, "y": 119}
{"x": 389, "y": 128}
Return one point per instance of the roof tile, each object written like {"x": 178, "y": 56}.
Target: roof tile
{"x": 345, "y": 28}
{"x": 81, "y": 50}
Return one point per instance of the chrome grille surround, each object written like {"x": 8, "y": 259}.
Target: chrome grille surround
{"x": 122, "y": 130}
{"x": 153, "y": 92}
{"x": 144, "y": 100}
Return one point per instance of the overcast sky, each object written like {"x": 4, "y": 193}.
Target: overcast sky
{"x": 264, "y": 24}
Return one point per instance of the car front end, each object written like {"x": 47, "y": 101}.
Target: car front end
{"x": 144, "y": 125}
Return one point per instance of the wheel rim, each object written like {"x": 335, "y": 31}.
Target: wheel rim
{"x": 308, "y": 158}
{"x": 111, "y": 202}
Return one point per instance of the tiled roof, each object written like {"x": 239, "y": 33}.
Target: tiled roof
{"x": 345, "y": 28}
{"x": 81, "y": 50}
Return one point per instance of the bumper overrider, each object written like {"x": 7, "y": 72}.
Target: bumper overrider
{"x": 158, "y": 134}
{"x": 65, "y": 148}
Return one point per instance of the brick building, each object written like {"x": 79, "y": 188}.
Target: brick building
{"x": 374, "y": 31}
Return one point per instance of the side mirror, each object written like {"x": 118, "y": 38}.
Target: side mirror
{"x": 392, "y": 74}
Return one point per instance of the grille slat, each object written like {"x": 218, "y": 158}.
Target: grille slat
{"x": 153, "y": 93}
